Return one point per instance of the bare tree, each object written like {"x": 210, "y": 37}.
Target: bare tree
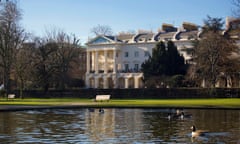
{"x": 54, "y": 54}
{"x": 66, "y": 53}
{"x": 214, "y": 53}
{"x": 102, "y": 30}
{"x": 43, "y": 64}
{"x": 11, "y": 37}
{"x": 214, "y": 57}
{"x": 23, "y": 66}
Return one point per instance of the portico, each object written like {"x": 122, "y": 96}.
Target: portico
{"x": 101, "y": 61}
{"x": 102, "y": 71}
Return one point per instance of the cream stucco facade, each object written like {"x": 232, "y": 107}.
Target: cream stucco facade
{"x": 115, "y": 62}
{"x": 114, "y": 66}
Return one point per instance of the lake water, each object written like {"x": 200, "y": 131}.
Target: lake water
{"x": 120, "y": 126}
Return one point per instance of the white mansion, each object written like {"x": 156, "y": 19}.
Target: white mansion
{"x": 115, "y": 61}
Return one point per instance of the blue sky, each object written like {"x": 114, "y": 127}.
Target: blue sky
{"x": 79, "y": 16}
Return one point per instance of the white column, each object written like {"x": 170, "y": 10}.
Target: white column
{"x": 88, "y": 61}
{"x": 136, "y": 82}
{"x": 87, "y": 82}
{"x": 126, "y": 83}
{"x": 96, "y": 61}
{"x": 203, "y": 83}
{"x": 217, "y": 84}
{"x": 114, "y": 61}
{"x": 92, "y": 64}
{"x": 229, "y": 82}
{"x": 96, "y": 82}
{"x": 105, "y": 83}
{"x": 105, "y": 61}
{"x": 115, "y": 84}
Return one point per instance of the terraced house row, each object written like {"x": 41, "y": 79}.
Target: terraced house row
{"x": 115, "y": 61}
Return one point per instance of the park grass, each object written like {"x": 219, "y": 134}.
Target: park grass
{"x": 144, "y": 103}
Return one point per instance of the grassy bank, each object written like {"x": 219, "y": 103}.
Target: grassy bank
{"x": 190, "y": 103}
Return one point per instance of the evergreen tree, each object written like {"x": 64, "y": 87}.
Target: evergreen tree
{"x": 175, "y": 64}
{"x": 212, "y": 24}
{"x": 165, "y": 61}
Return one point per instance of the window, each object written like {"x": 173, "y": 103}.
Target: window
{"x": 136, "y": 54}
{"x": 126, "y": 67}
{"x": 146, "y": 53}
{"x": 136, "y": 67}
{"x": 126, "y": 54}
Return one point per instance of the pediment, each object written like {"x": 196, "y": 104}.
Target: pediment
{"x": 100, "y": 40}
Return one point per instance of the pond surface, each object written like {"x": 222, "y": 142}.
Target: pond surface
{"x": 124, "y": 126}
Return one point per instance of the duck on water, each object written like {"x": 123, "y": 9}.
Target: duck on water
{"x": 179, "y": 115}
{"x": 196, "y": 133}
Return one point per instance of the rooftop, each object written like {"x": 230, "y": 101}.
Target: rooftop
{"x": 188, "y": 31}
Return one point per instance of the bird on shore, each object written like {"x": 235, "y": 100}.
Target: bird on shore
{"x": 196, "y": 133}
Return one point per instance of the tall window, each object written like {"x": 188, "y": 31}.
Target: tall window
{"x": 146, "y": 53}
{"x": 126, "y": 54}
{"x": 126, "y": 67}
{"x": 136, "y": 54}
{"x": 136, "y": 67}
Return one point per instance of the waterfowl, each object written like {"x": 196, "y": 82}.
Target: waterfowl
{"x": 183, "y": 115}
{"x": 174, "y": 115}
{"x": 178, "y": 112}
{"x": 101, "y": 110}
{"x": 196, "y": 133}
{"x": 169, "y": 117}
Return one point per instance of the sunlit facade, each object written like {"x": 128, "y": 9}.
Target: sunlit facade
{"x": 115, "y": 61}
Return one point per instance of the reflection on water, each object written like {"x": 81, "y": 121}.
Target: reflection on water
{"x": 118, "y": 126}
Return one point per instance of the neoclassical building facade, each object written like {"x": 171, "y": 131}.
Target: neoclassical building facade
{"x": 115, "y": 61}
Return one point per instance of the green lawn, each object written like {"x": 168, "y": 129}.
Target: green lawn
{"x": 192, "y": 103}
